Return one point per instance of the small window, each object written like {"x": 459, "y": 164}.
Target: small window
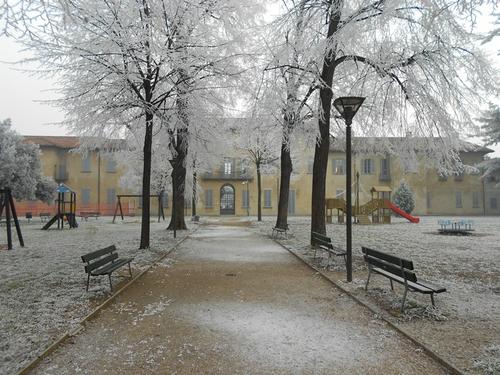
{"x": 368, "y": 166}
{"x": 458, "y": 199}
{"x": 267, "y": 198}
{"x": 429, "y": 200}
{"x": 291, "y": 202}
{"x": 228, "y": 166}
{"x": 475, "y": 199}
{"x": 245, "y": 198}
{"x": 339, "y": 194}
{"x": 493, "y": 203}
{"x": 209, "y": 198}
{"x": 459, "y": 177}
{"x": 86, "y": 165}
{"x": 338, "y": 166}
{"x": 164, "y": 199}
{"x": 85, "y": 196}
{"x": 110, "y": 165}
{"x": 385, "y": 171}
{"x": 110, "y": 196}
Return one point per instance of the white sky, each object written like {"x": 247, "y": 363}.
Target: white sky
{"x": 21, "y": 92}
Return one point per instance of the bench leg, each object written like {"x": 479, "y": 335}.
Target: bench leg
{"x": 129, "y": 270}
{"x": 404, "y": 299}
{"x": 432, "y": 299}
{"x": 368, "y": 278}
{"x": 110, "y": 284}
{"x": 392, "y": 285}
{"x": 88, "y": 281}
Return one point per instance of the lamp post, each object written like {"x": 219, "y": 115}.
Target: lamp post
{"x": 248, "y": 197}
{"x": 347, "y": 107}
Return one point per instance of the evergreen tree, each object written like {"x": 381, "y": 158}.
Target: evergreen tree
{"x": 490, "y": 125}
{"x": 404, "y": 198}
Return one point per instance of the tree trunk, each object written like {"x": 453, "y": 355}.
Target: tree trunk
{"x": 259, "y": 193}
{"x": 146, "y": 182}
{"x": 286, "y": 171}
{"x": 178, "y": 183}
{"x": 193, "y": 205}
{"x": 323, "y": 145}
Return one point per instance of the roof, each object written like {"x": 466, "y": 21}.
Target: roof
{"x": 377, "y": 189}
{"x": 65, "y": 142}
{"x": 71, "y": 142}
{"x": 382, "y": 145}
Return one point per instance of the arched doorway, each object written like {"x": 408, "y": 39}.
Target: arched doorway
{"x": 227, "y": 200}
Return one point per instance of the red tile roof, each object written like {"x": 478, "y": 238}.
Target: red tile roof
{"x": 65, "y": 142}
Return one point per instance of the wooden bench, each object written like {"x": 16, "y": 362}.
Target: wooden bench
{"x": 324, "y": 243}
{"x": 279, "y": 231}
{"x": 399, "y": 270}
{"x": 86, "y": 214}
{"x": 45, "y": 216}
{"x": 104, "y": 262}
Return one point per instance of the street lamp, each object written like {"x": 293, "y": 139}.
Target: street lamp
{"x": 248, "y": 197}
{"x": 347, "y": 107}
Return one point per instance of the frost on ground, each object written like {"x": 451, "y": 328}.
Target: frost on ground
{"x": 42, "y": 286}
{"x": 466, "y": 320}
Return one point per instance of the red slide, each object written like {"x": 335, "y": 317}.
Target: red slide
{"x": 400, "y": 212}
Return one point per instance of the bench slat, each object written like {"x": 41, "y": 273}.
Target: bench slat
{"x": 96, "y": 254}
{"x": 101, "y": 262}
{"x": 418, "y": 286}
{"x": 111, "y": 267}
{"x": 392, "y": 268}
{"x": 408, "y": 264}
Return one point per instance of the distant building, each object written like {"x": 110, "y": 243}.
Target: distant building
{"x": 231, "y": 187}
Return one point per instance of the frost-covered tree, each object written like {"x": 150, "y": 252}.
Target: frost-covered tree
{"x": 404, "y": 197}
{"x": 259, "y": 138}
{"x": 123, "y": 64}
{"x": 490, "y": 125}
{"x": 416, "y": 62}
{"x": 20, "y": 168}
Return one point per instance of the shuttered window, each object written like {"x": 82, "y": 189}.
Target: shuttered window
{"x": 291, "y": 202}
{"x": 475, "y": 199}
{"x": 267, "y": 198}
{"x": 209, "y": 198}
{"x": 85, "y": 196}
{"x": 86, "y": 166}
{"x": 245, "y": 198}
{"x": 110, "y": 196}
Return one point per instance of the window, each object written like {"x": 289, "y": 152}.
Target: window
{"x": 475, "y": 199}
{"x": 459, "y": 177}
{"x": 493, "y": 203}
{"x": 339, "y": 194}
{"x": 368, "y": 166}
{"x": 110, "y": 196}
{"x": 338, "y": 166}
{"x": 267, "y": 198}
{"x": 385, "y": 171}
{"x": 428, "y": 200}
{"x": 458, "y": 199}
{"x": 291, "y": 202}
{"x": 164, "y": 199}
{"x": 110, "y": 165}
{"x": 310, "y": 167}
{"x": 245, "y": 199}
{"x": 209, "y": 198}
{"x": 228, "y": 166}
{"x": 85, "y": 196}
{"x": 86, "y": 164}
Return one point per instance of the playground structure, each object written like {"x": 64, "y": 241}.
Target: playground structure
{"x": 378, "y": 208}
{"x": 161, "y": 213}
{"x": 7, "y": 203}
{"x": 456, "y": 227}
{"x": 66, "y": 209}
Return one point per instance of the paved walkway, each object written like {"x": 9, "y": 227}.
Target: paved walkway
{"x": 231, "y": 302}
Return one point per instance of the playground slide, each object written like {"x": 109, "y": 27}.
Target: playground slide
{"x": 399, "y": 211}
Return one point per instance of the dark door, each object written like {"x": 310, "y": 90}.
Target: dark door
{"x": 227, "y": 200}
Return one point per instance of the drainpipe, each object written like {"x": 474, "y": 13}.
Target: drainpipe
{"x": 484, "y": 197}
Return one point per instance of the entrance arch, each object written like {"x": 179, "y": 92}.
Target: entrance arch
{"x": 227, "y": 200}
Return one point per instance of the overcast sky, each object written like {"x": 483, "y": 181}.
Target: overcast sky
{"x": 21, "y": 92}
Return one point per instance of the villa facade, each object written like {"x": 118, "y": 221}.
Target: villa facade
{"x": 231, "y": 187}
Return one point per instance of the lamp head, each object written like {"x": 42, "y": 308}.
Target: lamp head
{"x": 347, "y": 106}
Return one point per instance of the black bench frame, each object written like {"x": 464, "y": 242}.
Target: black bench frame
{"x": 324, "y": 243}
{"x": 104, "y": 262}
{"x": 399, "y": 270}
{"x": 84, "y": 215}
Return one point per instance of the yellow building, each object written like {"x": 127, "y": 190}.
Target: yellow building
{"x": 231, "y": 188}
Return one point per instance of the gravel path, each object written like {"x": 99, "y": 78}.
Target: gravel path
{"x": 229, "y": 301}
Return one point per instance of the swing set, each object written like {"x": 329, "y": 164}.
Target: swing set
{"x": 7, "y": 203}
{"x": 161, "y": 214}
